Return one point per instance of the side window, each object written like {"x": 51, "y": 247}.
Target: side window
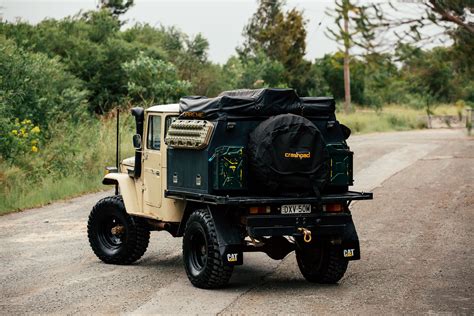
{"x": 154, "y": 132}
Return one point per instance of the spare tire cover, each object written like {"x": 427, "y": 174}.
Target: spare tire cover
{"x": 287, "y": 156}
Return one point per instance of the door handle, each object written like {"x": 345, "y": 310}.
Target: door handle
{"x": 157, "y": 173}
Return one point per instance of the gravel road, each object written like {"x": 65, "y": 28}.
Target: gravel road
{"x": 416, "y": 242}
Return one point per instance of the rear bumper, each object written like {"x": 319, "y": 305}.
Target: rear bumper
{"x": 338, "y": 228}
{"x": 321, "y": 225}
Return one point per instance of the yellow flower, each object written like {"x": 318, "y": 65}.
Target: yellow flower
{"x": 34, "y": 142}
{"x": 34, "y": 149}
{"x": 15, "y": 132}
{"x": 35, "y": 130}
{"x": 25, "y": 135}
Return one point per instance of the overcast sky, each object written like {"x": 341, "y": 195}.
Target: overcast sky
{"x": 220, "y": 21}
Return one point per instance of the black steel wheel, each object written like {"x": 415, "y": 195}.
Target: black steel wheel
{"x": 115, "y": 236}
{"x": 321, "y": 264}
{"x": 202, "y": 261}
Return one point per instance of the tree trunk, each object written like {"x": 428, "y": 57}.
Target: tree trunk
{"x": 347, "y": 83}
{"x": 347, "y": 73}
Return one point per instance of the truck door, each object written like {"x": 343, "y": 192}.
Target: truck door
{"x": 152, "y": 193}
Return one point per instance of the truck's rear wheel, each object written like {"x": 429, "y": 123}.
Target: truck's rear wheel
{"x": 114, "y": 236}
{"x": 202, "y": 260}
{"x": 321, "y": 264}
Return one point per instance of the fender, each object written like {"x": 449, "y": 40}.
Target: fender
{"x": 126, "y": 185}
{"x": 228, "y": 237}
{"x": 350, "y": 243}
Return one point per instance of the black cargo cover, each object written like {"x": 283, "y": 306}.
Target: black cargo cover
{"x": 255, "y": 103}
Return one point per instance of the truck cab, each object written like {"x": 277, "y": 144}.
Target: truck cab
{"x": 142, "y": 179}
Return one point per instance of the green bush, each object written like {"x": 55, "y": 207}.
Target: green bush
{"x": 22, "y": 138}
{"x": 34, "y": 92}
{"x": 35, "y": 87}
{"x": 70, "y": 162}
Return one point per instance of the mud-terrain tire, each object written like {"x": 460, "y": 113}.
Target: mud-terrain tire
{"x": 115, "y": 236}
{"x": 321, "y": 264}
{"x": 202, "y": 260}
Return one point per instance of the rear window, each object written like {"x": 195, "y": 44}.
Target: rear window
{"x": 169, "y": 121}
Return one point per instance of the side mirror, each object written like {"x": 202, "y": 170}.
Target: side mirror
{"x": 137, "y": 141}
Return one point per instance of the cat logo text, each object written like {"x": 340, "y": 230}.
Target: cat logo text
{"x": 348, "y": 253}
{"x": 232, "y": 257}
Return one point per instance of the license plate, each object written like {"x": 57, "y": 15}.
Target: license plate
{"x": 296, "y": 209}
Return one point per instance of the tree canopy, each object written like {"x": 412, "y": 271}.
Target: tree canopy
{"x": 89, "y": 64}
{"x": 281, "y": 36}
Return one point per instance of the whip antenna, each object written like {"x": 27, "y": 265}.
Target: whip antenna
{"x": 117, "y": 147}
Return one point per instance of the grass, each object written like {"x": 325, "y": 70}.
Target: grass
{"x": 72, "y": 162}
{"x": 69, "y": 164}
{"x": 391, "y": 118}
{"x": 47, "y": 191}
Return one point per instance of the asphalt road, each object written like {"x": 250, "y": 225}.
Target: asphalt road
{"x": 416, "y": 241}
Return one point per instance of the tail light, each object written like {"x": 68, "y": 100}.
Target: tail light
{"x": 333, "y": 208}
{"x": 260, "y": 209}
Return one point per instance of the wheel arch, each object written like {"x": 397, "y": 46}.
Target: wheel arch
{"x": 228, "y": 233}
{"x": 127, "y": 190}
{"x": 190, "y": 208}
{"x": 227, "y": 230}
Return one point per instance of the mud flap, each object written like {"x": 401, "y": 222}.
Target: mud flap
{"x": 350, "y": 248}
{"x": 228, "y": 237}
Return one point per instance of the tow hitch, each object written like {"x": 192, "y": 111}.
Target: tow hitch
{"x": 306, "y": 234}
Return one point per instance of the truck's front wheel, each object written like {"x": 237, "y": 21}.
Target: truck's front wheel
{"x": 321, "y": 264}
{"x": 202, "y": 260}
{"x": 115, "y": 236}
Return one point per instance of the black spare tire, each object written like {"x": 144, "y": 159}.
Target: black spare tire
{"x": 287, "y": 156}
